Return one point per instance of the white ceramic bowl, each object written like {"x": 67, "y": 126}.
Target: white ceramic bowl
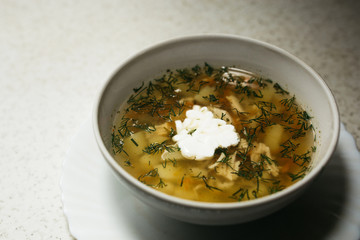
{"x": 218, "y": 50}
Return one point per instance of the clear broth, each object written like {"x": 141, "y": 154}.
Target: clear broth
{"x": 277, "y": 137}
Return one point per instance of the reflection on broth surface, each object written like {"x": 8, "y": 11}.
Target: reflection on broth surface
{"x": 213, "y": 134}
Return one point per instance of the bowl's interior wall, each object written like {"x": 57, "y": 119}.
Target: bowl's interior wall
{"x": 271, "y": 63}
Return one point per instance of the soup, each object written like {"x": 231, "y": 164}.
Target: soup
{"x": 214, "y": 135}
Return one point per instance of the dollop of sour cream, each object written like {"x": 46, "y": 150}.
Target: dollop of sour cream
{"x": 200, "y": 134}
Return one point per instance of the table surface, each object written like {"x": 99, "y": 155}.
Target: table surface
{"x": 56, "y": 55}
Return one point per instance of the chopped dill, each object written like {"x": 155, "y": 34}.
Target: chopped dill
{"x": 205, "y": 179}
{"x": 211, "y": 98}
{"x": 161, "y": 184}
{"x": 182, "y": 181}
{"x": 268, "y": 160}
{"x": 288, "y": 102}
{"x": 185, "y": 74}
{"x": 313, "y": 148}
{"x": 240, "y": 194}
{"x": 144, "y": 126}
{"x": 265, "y": 118}
{"x": 124, "y": 130}
{"x": 117, "y": 144}
{"x": 288, "y": 148}
{"x": 137, "y": 89}
{"x": 208, "y": 69}
{"x": 155, "y": 148}
{"x": 173, "y": 161}
{"x": 180, "y": 106}
{"x": 279, "y": 89}
{"x": 302, "y": 159}
{"x": 276, "y": 187}
{"x": 135, "y": 143}
{"x": 258, "y": 94}
{"x": 250, "y": 170}
{"x": 172, "y": 133}
{"x": 304, "y": 116}
{"x": 152, "y": 173}
{"x": 197, "y": 176}
{"x": 192, "y": 131}
{"x": 127, "y": 163}
{"x": 299, "y": 174}
{"x": 254, "y": 193}
{"x": 197, "y": 70}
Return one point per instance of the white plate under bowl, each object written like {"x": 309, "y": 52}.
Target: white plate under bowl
{"x": 97, "y": 206}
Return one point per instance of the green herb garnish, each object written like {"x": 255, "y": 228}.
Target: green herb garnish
{"x": 155, "y": 148}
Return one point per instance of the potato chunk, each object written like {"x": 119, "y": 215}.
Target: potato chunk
{"x": 135, "y": 144}
{"x": 169, "y": 172}
{"x": 273, "y": 137}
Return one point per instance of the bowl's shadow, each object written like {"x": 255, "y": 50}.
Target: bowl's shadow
{"x": 312, "y": 216}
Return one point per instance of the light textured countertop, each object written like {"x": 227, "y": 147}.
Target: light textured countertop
{"x": 55, "y": 55}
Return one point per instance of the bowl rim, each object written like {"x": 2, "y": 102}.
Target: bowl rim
{"x": 215, "y": 205}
